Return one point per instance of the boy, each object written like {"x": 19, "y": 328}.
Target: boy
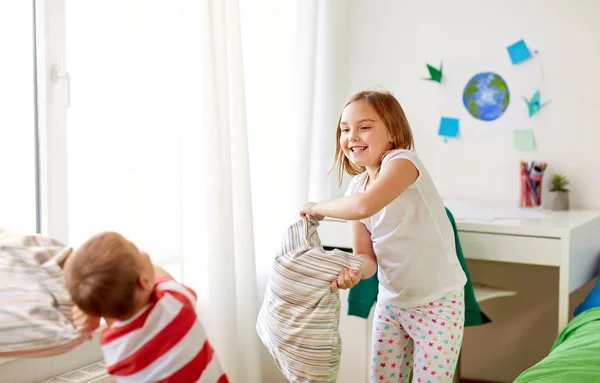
{"x": 153, "y": 332}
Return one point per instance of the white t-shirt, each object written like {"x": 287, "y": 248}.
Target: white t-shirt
{"x": 413, "y": 241}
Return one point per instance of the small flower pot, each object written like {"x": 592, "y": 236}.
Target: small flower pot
{"x": 558, "y": 200}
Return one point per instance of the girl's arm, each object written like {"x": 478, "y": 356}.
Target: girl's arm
{"x": 396, "y": 177}
{"x": 363, "y": 248}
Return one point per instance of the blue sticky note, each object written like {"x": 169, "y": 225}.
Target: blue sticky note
{"x": 518, "y": 52}
{"x": 448, "y": 127}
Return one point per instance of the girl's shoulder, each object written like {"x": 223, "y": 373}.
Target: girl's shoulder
{"x": 401, "y": 153}
{"x": 398, "y": 153}
{"x": 356, "y": 183}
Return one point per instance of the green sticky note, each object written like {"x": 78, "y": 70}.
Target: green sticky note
{"x": 523, "y": 139}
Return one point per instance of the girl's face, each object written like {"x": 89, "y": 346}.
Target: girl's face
{"x": 364, "y": 137}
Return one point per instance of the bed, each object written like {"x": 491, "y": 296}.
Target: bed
{"x": 575, "y": 354}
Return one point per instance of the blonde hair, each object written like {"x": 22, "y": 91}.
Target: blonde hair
{"x": 388, "y": 109}
{"x": 102, "y": 276}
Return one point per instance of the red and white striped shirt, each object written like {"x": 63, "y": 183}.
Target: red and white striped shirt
{"x": 164, "y": 342}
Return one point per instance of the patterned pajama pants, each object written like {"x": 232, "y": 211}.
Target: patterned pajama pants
{"x": 426, "y": 339}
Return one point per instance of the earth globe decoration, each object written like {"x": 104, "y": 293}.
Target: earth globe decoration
{"x": 486, "y": 96}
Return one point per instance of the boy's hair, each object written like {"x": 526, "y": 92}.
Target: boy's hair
{"x": 102, "y": 276}
{"x": 390, "y": 112}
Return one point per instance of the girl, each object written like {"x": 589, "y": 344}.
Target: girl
{"x": 401, "y": 230}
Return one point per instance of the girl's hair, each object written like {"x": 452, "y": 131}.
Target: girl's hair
{"x": 390, "y": 112}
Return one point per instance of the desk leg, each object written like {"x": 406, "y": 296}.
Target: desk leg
{"x": 563, "y": 287}
{"x": 456, "y": 378}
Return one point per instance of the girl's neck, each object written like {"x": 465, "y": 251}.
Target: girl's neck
{"x": 372, "y": 173}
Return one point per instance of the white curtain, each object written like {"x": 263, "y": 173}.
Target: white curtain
{"x": 293, "y": 61}
{"x": 285, "y": 71}
{"x": 218, "y": 238}
{"x": 320, "y": 94}
{"x": 198, "y": 128}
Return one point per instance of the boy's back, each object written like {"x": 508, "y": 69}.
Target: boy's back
{"x": 163, "y": 342}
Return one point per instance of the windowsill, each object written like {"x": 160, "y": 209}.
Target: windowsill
{"x": 173, "y": 268}
{"x": 97, "y": 332}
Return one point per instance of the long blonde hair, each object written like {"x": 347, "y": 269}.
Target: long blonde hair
{"x": 389, "y": 110}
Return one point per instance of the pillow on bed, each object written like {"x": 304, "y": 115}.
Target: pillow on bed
{"x": 299, "y": 318}
{"x": 35, "y": 307}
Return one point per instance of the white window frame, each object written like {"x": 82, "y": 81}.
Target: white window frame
{"x": 53, "y": 84}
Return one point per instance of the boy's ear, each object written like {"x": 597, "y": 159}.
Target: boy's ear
{"x": 63, "y": 257}
{"x": 143, "y": 282}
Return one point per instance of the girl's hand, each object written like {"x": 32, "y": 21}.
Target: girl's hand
{"x": 345, "y": 280}
{"x": 309, "y": 209}
{"x": 84, "y": 324}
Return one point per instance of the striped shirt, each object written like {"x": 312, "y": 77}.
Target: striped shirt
{"x": 164, "y": 342}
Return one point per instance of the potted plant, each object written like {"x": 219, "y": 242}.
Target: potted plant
{"x": 558, "y": 197}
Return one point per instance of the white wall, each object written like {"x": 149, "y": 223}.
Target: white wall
{"x": 388, "y": 43}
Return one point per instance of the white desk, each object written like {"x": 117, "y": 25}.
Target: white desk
{"x": 567, "y": 240}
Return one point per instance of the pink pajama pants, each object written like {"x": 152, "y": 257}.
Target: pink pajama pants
{"x": 426, "y": 339}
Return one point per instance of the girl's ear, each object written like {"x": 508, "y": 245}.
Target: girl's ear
{"x": 391, "y": 138}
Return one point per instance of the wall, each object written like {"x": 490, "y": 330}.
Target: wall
{"x": 388, "y": 44}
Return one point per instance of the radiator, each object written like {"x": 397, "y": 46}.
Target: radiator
{"x": 94, "y": 373}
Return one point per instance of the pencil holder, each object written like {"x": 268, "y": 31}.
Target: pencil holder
{"x": 531, "y": 183}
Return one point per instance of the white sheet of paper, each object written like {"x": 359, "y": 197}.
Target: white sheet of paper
{"x": 473, "y": 210}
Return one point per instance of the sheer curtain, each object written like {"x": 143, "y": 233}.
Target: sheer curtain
{"x": 123, "y": 131}
{"x": 158, "y": 151}
{"x": 293, "y": 65}
{"x": 218, "y": 237}
{"x": 269, "y": 95}
{"x": 198, "y": 128}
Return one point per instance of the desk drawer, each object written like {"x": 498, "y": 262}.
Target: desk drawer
{"x": 510, "y": 248}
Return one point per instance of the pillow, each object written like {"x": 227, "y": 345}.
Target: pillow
{"x": 35, "y": 307}
{"x": 299, "y": 318}
{"x": 591, "y": 301}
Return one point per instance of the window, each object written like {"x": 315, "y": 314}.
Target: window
{"x": 18, "y": 118}
{"x": 124, "y": 122}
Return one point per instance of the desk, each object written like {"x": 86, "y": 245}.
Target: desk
{"x": 567, "y": 240}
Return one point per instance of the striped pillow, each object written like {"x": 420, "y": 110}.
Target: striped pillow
{"x": 299, "y": 318}
{"x": 35, "y": 308}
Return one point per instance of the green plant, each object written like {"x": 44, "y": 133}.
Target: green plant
{"x": 559, "y": 183}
